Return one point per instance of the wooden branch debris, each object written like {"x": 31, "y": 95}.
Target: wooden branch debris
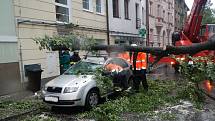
{"x": 176, "y": 50}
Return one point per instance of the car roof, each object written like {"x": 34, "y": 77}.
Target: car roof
{"x": 97, "y": 60}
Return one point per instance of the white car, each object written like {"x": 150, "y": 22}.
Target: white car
{"x": 76, "y": 87}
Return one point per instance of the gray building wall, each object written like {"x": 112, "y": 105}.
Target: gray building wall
{"x": 9, "y": 66}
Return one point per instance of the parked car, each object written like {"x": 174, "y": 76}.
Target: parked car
{"x": 77, "y": 87}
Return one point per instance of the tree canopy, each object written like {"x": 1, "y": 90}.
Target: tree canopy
{"x": 209, "y": 14}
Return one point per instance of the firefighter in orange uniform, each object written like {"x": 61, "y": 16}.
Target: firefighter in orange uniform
{"x": 139, "y": 69}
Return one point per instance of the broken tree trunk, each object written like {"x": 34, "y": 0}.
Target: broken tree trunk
{"x": 176, "y": 50}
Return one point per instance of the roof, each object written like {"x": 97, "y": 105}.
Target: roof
{"x": 97, "y": 60}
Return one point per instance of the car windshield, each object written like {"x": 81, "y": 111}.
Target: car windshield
{"x": 87, "y": 68}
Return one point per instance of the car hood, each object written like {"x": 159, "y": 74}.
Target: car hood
{"x": 69, "y": 80}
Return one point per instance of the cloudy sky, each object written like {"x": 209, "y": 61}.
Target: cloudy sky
{"x": 190, "y": 3}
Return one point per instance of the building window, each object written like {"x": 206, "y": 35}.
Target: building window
{"x": 126, "y": 6}
{"x": 98, "y": 6}
{"x": 100, "y": 41}
{"x": 86, "y": 4}
{"x": 151, "y": 37}
{"x": 151, "y": 8}
{"x": 120, "y": 42}
{"x": 116, "y": 8}
{"x": 138, "y": 20}
{"x": 164, "y": 14}
{"x": 158, "y": 11}
{"x": 62, "y": 11}
{"x": 64, "y": 2}
{"x": 143, "y": 16}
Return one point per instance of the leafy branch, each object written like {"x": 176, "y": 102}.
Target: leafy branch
{"x": 196, "y": 71}
{"x": 104, "y": 83}
{"x": 65, "y": 42}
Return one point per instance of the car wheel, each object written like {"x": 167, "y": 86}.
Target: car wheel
{"x": 92, "y": 99}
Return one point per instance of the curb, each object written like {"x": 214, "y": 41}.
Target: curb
{"x": 15, "y": 117}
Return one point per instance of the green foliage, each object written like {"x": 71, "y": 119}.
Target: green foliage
{"x": 209, "y": 14}
{"x": 61, "y": 42}
{"x": 168, "y": 117}
{"x": 104, "y": 83}
{"x": 201, "y": 69}
{"x": 156, "y": 97}
{"x": 19, "y": 105}
{"x": 10, "y": 107}
{"x": 210, "y": 70}
{"x": 190, "y": 92}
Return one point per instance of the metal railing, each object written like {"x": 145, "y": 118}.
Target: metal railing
{"x": 138, "y": 23}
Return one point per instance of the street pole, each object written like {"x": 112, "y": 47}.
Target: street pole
{"x": 147, "y": 29}
{"x": 107, "y": 19}
{"x": 147, "y": 22}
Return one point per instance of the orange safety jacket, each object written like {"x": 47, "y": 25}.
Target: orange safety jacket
{"x": 125, "y": 56}
{"x": 141, "y": 62}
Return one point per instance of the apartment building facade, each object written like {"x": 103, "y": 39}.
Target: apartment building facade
{"x": 180, "y": 14}
{"x": 161, "y": 22}
{"x": 29, "y": 19}
{"x": 89, "y": 19}
{"x": 126, "y": 18}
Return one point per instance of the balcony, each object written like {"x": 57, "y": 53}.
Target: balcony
{"x": 138, "y": 23}
{"x": 159, "y": 22}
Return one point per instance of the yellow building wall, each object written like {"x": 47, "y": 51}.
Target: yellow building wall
{"x": 89, "y": 19}
{"x": 44, "y": 10}
{"x": 36, "y": 10}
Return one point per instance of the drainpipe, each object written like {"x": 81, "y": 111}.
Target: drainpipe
{"x": 147, "y": 29}
{"x": 107, "y": 19}
{"x": 147, "y": 22}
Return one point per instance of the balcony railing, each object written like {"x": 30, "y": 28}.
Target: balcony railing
{"x": 159, "y": 22}
{"x": 138, "y": 23}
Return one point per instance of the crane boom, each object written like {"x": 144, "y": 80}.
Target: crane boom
{"x": 192, "y": 27}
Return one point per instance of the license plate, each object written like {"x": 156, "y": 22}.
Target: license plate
{"x": 51, "y": 99}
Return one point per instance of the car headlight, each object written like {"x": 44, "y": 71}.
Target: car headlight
{"x": 70, "y": 89}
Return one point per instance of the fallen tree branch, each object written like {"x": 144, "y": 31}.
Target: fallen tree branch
{"x": 162, "y": 52}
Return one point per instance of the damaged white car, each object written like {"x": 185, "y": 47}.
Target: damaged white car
{"x": 77, "y": 86}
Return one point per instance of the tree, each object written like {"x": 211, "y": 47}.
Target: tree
{"x": 158, "y": 51}
{"x": 209, "y": 14}
{"x": 74, "y": 42}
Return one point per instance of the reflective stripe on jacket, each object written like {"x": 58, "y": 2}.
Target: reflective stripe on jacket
{"x": 141, "y": 62}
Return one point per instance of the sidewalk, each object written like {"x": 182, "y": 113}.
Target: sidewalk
{"x": 16, "y": 96}
{"x": 23, "y": 93}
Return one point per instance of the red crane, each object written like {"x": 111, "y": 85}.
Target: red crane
{"x": 193, "y": 24}
{"x": 189, "y": 34}
{"x": 192, "y": 28}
